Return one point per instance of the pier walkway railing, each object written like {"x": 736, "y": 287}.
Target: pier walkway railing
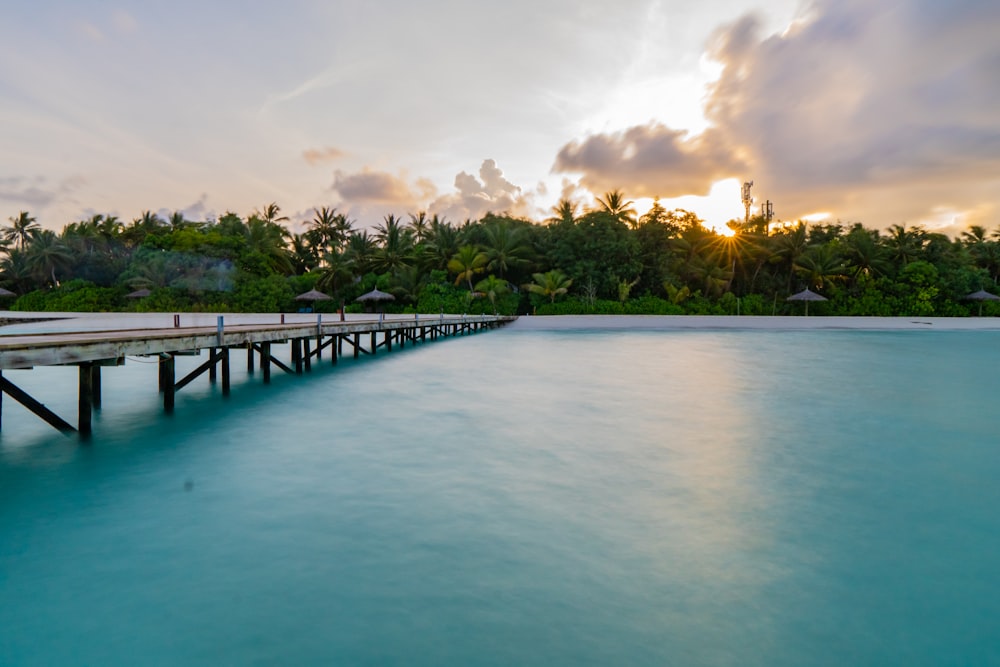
{"x": 92, "y": 350}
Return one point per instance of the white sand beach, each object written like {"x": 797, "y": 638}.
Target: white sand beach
{"x": 775, "y": 323}
{"x": 23, "y": 322}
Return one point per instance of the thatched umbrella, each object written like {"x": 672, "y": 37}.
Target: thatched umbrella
{"x": 313, "y": 295}
{"x": 138, "y": 294}
{"x": 980, "y": 296}
{"x": 377, "y": 296}
{"x": 806, "y": 295}
{"x": 6, "y": 292}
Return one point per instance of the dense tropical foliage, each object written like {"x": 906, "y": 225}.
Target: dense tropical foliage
{"x": 603, "y": 260}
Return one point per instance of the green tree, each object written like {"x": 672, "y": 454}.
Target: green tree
{"x": 616, "y": 205}
{"x": 467, "y": 262}
{"x": 493, "y": 288}
{"x": 549, "y": 284}
{"x": 21, "y": 227}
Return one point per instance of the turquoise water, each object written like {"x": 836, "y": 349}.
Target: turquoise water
{"x": 521, "y": 497}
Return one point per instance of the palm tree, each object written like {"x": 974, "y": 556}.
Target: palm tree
{"x": 506, "y": 247}
{"x": 396, "y": 244}
{"x": 336, "y": 271}
{"x": 408, "y": 282}
{"x": 270, "y": 213}
{"x": 21, "y": 227}
{"x": 15, "y": 271}
{"x": 905, "y": 245}
{"x": 325, "y": 229}
{"x": 419, "y": 225}
{"x": 788, "y": 246}
{"x": 302, "y": 254}
{"x": 864, "y": 254}
{"x": 712, "y": 272}
{"x": 268, "y": 239}
{"x": 442, "y": 241}
{"x": 563, "y": 212}
{"x": 493, "y": 287}
{"x": 551, "y": 284}
{"x": 820, "y": 266}
{"x": 467, "y": 262}
{"x": 615, "y": 204}
{"x": 46, "y": 253}
{"x": 360, "y": 250}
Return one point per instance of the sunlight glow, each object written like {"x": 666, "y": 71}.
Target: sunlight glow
{"x": 718, "y": 207}
{"x": 817, "y": 217}
{"x": 721, "y": 205}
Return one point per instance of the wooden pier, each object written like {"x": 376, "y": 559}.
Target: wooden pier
{"x": 91, "y": 351}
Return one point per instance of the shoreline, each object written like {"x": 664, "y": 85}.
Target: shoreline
{"x": 12, "y": 322}
{"x": 752, "y": 322}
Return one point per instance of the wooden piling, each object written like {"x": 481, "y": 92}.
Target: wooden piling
{"x": 95, "y": 384}
{"x": 225, "y": 370}
{"x": 265, "y": 361}
{"x": 86, "y": 399}
{"x": 167, "y": 368}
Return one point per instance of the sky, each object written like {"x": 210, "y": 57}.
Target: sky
{"x": 875, "y": 111}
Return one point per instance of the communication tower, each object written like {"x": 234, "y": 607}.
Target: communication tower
{"x": 747, "y": 199}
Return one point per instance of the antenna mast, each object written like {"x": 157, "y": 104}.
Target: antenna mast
{"x": 747, "y": 199}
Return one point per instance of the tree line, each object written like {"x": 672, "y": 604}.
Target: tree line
{"x": 605, "y": 259}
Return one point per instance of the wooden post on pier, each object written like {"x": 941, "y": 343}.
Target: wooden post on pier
{"x": 167, "y": 377}
{"x": 225, "y": 371}
{"x": 297, "y": 355}
{"x": 373, "y": 343}
{"x": 334, "y": 349}
{"x": 265, "y": 361}
{"x": 307, "y": 354}
{"x": 95, "y": 384}
{"x": 213, "y": 357}
{"x": 86, "y": 399}
{"x": 357, "y": 345}
{"x": 249, "y": 357}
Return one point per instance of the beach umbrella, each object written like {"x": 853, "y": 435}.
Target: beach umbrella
{"x": 980, "y": 296}
{"x": 376, "y": 295}
{"x": 138, "y": 294}
{"x": 6, "y": 292}
{"x": 806, "y": 295}
{"x": 313, "y": 295}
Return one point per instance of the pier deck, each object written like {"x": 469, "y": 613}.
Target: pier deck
{"x": 92, "y": 350}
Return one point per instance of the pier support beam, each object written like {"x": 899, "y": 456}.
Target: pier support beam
{"x": 22, "y": 397}
{"x": 296, "y": 344}
{"x": 225, "y": 370}
{"x": 167, "y": 380}
{"x": 86, "y": 399}
{"x": 250, "y": 357}
{"x": 265, "y": 362}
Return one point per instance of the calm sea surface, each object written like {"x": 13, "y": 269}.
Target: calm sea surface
{"x": 521, "y": 498}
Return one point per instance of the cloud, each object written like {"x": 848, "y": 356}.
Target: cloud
{"x": 36, "y": 192}
{"x": 315, "y": 156}
{"x": 475, "y": 197}
{"x": 650, "y": 160}
{"x": 369, "y": 194}
{"x": 380, "y": 187}
{"x": 883, "y": 112}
